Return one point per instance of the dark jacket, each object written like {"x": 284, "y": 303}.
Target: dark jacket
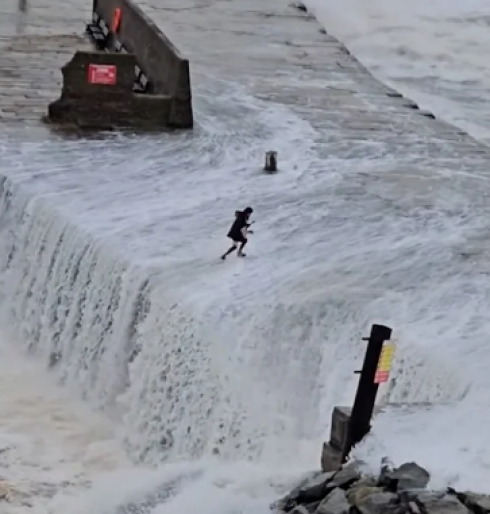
{"x": 241, "y": 222}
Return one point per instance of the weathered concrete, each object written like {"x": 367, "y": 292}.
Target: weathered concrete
{"x": 33, "y": 47}
{"x": 166, "y": 69}
{"x": 37, "y": 43}
{"x": 106, "y": 106}
{"x": 275, "y": 51}
{"x": 279, "y": 53}
{"x": 331, "y": 457}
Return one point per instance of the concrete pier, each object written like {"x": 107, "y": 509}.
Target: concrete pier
{"x": 36, "y": 39}
{"x": 279, "y": 53}
{"x": 274, "y": 50}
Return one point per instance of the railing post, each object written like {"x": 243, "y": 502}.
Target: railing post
{"x": 367, "y": 389}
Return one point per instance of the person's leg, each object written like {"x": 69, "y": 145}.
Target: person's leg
{"x": 242, "y": 246}
{"x": 232, "y": 249}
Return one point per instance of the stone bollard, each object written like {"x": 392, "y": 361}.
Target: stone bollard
{"x": 270, "y": 162}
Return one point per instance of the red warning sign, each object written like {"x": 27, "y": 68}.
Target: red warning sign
{"x": 102, "y": 74}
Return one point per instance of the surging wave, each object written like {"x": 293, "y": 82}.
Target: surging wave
{"x": 238, "y": 374}
{"x": 106, "y": 327}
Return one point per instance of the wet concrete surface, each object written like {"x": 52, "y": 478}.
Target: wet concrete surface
{"x": 265, "y": 48}
{"x": 36, "y": 39}
{"x": 278, "y": 53}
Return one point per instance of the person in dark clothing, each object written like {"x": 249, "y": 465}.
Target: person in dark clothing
{"x": 238, "y": 232}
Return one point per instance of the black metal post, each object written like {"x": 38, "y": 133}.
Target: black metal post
{"x": 362, "y": 411}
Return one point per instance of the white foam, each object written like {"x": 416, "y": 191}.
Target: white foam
{"x": 433, "y": 52}
{"x": 242, "y": 360}
{"x": 448, "y": 440}
{"x": 58, "y": 456}
{"x": 49, "y": 441}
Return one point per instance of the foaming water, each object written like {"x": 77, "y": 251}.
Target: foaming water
{"x": 219, "y": 376}
{"x": 208, "y": 485}
{"x": 102, "y": 300}
{"x": 434, "y": 52}
{"x": 49, "y": 443}
{"x": 243, "y": 360}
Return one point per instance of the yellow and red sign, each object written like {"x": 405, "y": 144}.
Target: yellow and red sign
{"x": 384, "y": 363}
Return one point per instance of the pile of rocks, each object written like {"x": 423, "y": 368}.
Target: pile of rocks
{"x": 395, "y": 491}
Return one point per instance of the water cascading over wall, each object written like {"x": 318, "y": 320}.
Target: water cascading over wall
{"x": 104, "y": 326}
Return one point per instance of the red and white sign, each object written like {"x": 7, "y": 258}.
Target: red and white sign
{"x": 102, "y": 74}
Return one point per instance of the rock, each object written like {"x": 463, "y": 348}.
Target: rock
{"x": 345, "y": 477}
{"x": 386, "y": 464}
{"x": 413, "y": 508}
{"x": 409, "y": 476}
{"x": 300, "y": 6}
{"x": 335, "y": 503}
{"x": 385, "y": 478}
{"x": 364, "y": 482}
{"x": 300, "y": 509}
{"x": 346, "y": 491}
{"x": 286, "y": 503}
{"x": 412, "y": 499}
{"x": 313, "y": 489}
{"x": 476, "y": 503}
{"x": 378, "y": 503}
{"x": 418, "y": 495}
{"x": 448, "y": 504}
{"x": 358, "y": 493}
{"x": 311, "y": 507}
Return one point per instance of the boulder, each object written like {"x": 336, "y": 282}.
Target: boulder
{"x": 358, "y": 493}
{"x": 416, "y": 495}
{"x": 399, "y": 490}
{"x": 316, "y": 489}
{"x": 311, "y": 507}
{"x": 476, "y": 503}
{"x": 300, "y": 6}
{"x": 385, "y": 478}
{"x": 378, "y": 503}
{"x": 310, "y": 490}
{"x": 300, "y": 509}
{"x": 408, "y": 476}
{"x": 345, "y": 477}
{"x": 335, "y": 503}
{"x": 413, "y": 508}
{"x": 448, "y": 504}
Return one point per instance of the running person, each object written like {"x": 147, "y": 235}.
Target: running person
{"x": 238, "y": 232}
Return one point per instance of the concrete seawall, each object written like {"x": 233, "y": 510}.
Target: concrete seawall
{"x": 278, "y": 54}
{"x": 36, "y": 50}
{"x": 34, "y": 45}
{"x": 166, "y": 69}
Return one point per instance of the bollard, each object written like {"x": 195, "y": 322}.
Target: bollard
{"x": 367, "y": 389}
{"x": 270, "y": 162}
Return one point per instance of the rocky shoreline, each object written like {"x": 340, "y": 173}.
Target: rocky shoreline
{"x": 401, "y": 490}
